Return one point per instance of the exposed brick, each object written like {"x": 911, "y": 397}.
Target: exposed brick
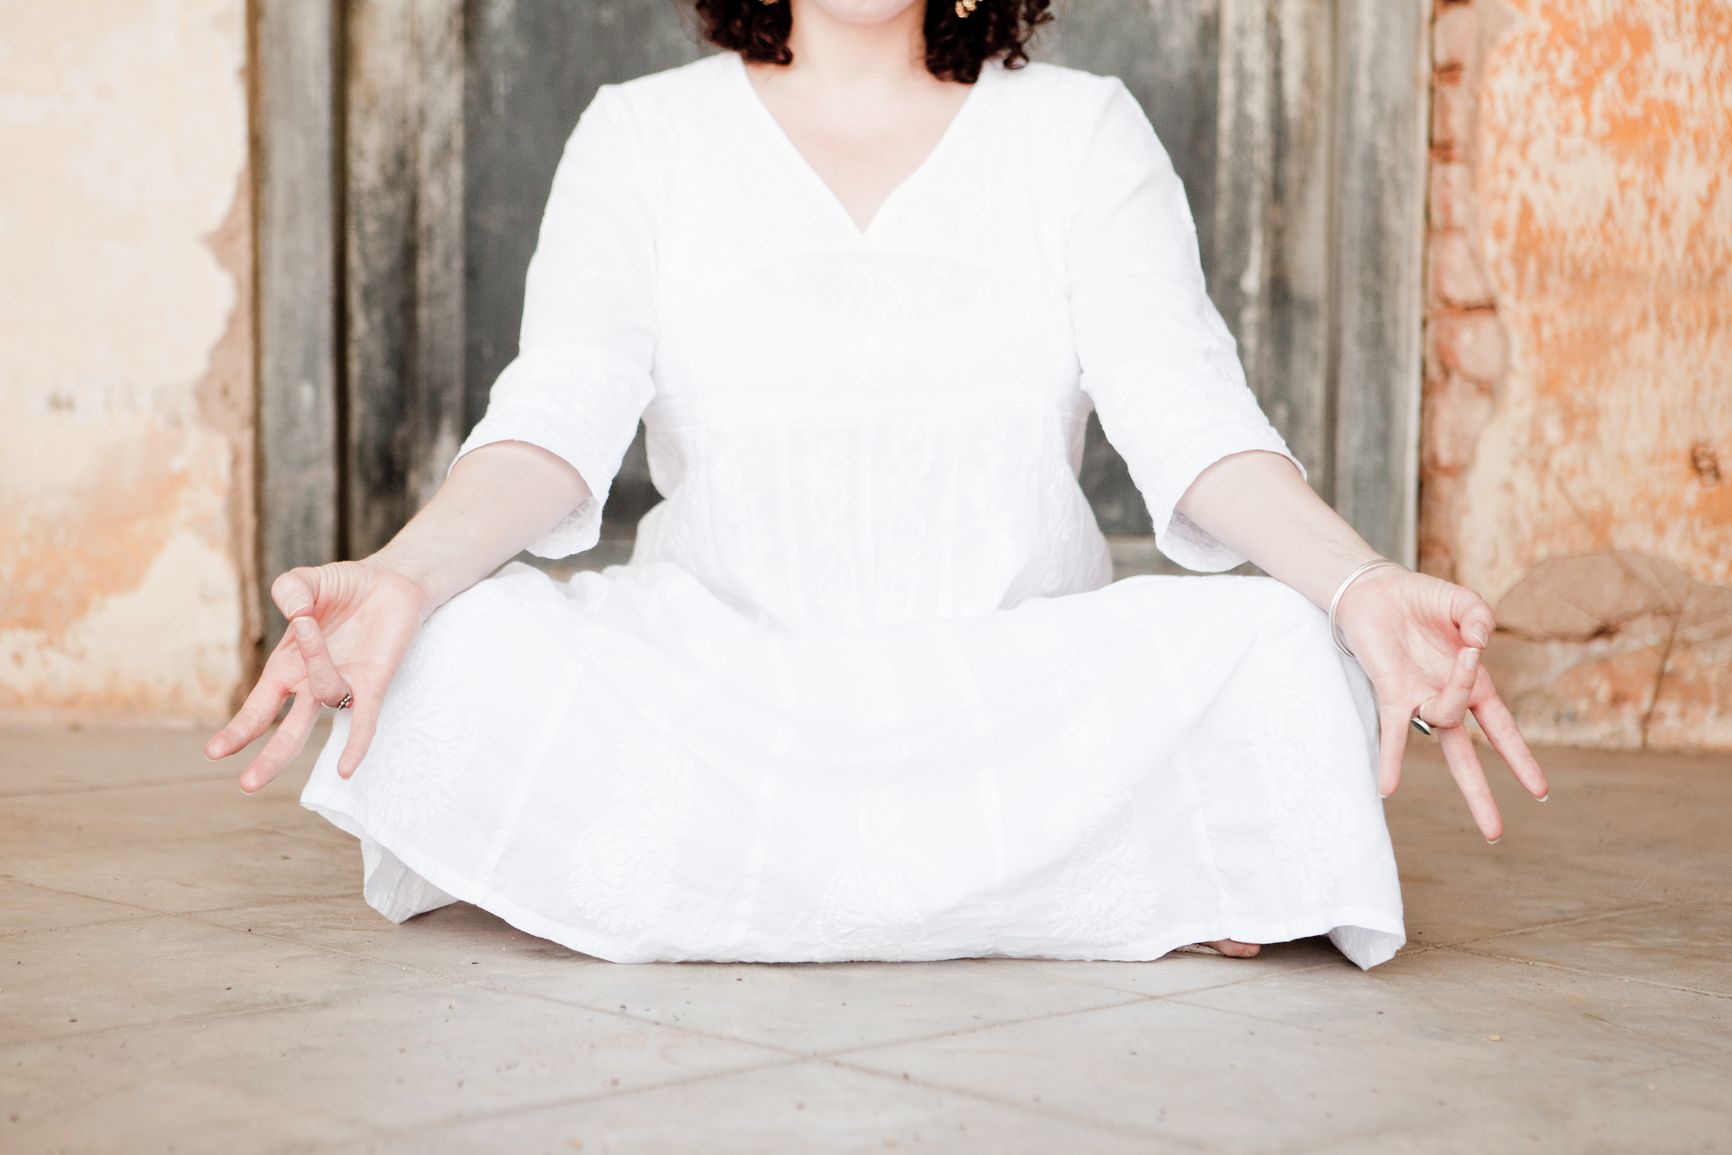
{"x": 1456, "y": 277}
{"x": 1452, "y": 117}
{"x": 1451, "y": 195}
{"x": 1438, "y": 493}
{"x": 1454, "y": 35}
{"x": 1452, "y": 417}
{"x": 1472, "y": 345}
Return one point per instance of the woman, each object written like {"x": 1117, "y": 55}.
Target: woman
{"x": 866, "y": 689}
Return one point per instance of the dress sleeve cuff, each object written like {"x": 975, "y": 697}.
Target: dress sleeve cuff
{"x": 579, "y": 407}
{"x": 581, "y": 528}
{"x": 1178, "y": 537}
{"x": 1171, "y": 426}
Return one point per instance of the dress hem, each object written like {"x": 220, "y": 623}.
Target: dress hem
{"x": 1386, "y": 935}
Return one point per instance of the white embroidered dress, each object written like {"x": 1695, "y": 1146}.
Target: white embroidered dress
{"x": 866, "y": 688}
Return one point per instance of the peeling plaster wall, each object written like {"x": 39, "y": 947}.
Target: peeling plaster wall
{"x": 126, "y": 380}
{"x": 1578, "y": 397}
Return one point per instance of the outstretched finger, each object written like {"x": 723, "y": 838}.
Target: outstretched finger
{"x": 1506, "y": 738}
{"x": 363, "y": 721}
{"x": 1448, "y": 707}
{"x": 1469, "y": 776}
{"x": 257, "y": 711}
{"x": 284, "y": 745}
{"x": 1391, "y": 742}
{"x": 323, "y": 681}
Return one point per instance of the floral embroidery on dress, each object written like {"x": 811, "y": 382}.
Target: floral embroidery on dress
{"x": 1309, "y": 821}
{"x": 1105, "y": 890}
{"x": 621, "y": 876}
{"x": 874, "y": 902}
{"x": 426, "y": 736}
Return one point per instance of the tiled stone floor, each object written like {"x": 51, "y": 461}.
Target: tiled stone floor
{"x": 186, "y": 968}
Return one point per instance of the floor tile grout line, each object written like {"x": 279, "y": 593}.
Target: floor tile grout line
{"x": 319, "y": 839}
{"x": 41, "y": 931}
{"x": 1133, "y": 1000}
{"x": 1128, "y": 997}
{"x": 183, "y": 838}
{"x": 1126, "y": 1130}
{"x": 1253, "y": 978}
{"x": 1643, "y": 906}
{"x": 972, "y": 1029}
{"x": 494, "y": 987}
{"x": 1593, "y": 973}
{"x": 1461, "y": 1063}
{"x": 571, "y": 1101}
{"x": 639, "y": 1017}
{"x": 63, "y": 791}
{"x": 1579, "y": 891}
{"x": 77, "y": 894}
{"x": 435, "y": 980}
{"x": 216, "y": 1016}
{"x": 1264, "y": 1019}
{"x": 1691, "y": 1061}
{"x": 323, "y": 948}
{"x": 184, "y": 1020}
{"x": 1335, "y": 1036}
{"x": 262, "y": 903}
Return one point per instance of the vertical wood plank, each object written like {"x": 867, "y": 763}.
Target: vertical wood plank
{"x": 1270, "y": 278}
{"x": 1240, "y": 262}
{"x": 436, "y": 408}
{"x": 404, "y": 241}
{"x": 379, "y": 231}
{"x": 295, "y": 55}
{"x": 1381, "y": 99}
{"x": 1293, "y": 367}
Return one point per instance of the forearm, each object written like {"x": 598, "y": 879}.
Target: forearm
{"x": 497, "y": 499}
{"x": 1257, "y": 503}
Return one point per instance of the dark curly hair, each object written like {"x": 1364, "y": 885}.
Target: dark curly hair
{"x": 956, "y": 46}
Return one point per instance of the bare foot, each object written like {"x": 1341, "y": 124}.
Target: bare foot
{"x": 1233, "y": 948}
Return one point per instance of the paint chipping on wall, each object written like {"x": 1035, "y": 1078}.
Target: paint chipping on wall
{"x": 126, "y": 381}
{"x": 1578, "y": 401}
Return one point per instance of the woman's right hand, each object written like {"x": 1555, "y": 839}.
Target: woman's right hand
{"x": 349, "y": 625}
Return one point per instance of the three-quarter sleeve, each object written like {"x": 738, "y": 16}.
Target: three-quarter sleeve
{"x": 582, "y": 375}
{"x": 1155, "y": 356}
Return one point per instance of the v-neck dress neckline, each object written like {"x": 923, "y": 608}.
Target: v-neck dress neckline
{"x": 886, "y": 207}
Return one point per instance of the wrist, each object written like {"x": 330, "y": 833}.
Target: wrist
{"x": 1350, "y": 594}
{"x": 403, "y": 563}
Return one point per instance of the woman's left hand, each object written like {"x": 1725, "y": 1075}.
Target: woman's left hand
{"x": 1419, "y": 639}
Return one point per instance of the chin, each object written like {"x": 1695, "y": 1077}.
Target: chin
{"x": 863, "y": 11}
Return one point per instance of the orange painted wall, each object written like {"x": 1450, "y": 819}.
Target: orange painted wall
{"x": 1577, "y": 433}
{"x": 126, "y": 379}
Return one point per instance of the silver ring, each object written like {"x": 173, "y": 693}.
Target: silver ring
{"x": 1419, "y": 723}
{"x": 347, "y": 700}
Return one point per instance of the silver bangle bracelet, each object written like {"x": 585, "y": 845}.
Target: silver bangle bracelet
{"x": 1334, "y": 627}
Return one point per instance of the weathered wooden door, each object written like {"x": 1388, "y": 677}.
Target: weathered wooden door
{"x": 1297, "y": 125}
